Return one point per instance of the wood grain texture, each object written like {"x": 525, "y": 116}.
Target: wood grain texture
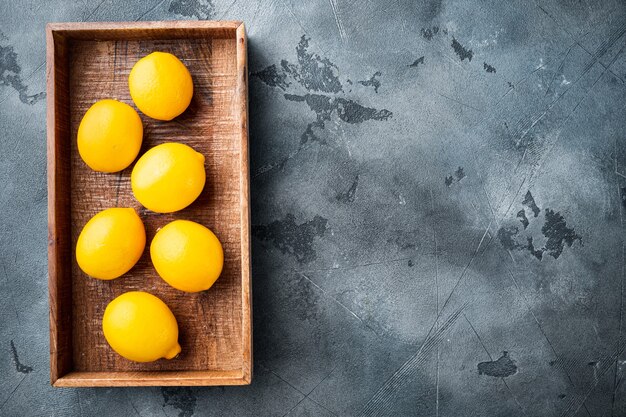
{"x": 90, "y": 62}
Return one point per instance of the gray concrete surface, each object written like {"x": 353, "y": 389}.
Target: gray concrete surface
{"x": 438, "y": 197}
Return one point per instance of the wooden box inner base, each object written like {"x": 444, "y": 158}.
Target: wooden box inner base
{"x": 210, "y": 323}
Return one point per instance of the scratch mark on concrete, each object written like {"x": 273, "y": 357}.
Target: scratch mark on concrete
{"x": 491, "y": 358}
{"x": 469, "y": 106}
{"x": 437, "y": 312}
{"x": 342, "y": 32}
{"x": 351, "y": 267}
{"x": 342, "y": 305}
{"x": 12, "y": 393}
{"x": 559, "y": 70}
{"x": 150, "y": 10}
{"x": 298, "y": 390}
{"x": 621, "y": 192}
{"x": 382, "y": 400}
{"x": 578, "y": 401}
{"x": 543, "y": 333}
{"x": 95, "y": 9}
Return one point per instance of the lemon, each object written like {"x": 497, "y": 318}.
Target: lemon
{"x": 187, "y": 255}
{"x": 168, "y": 177}
{"x": 160, "y": 86}
{"x": 111, "y": 243}
{"x": 109, "y": 136}
{"x": 141, "y": 327}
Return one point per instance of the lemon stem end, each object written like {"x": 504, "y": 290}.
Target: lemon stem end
{"x": 173, "y": 352}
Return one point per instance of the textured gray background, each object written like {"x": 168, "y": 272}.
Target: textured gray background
{"x": 438, "y": 196}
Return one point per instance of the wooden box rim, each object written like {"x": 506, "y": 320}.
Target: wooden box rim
{"x": 138, "y": 30}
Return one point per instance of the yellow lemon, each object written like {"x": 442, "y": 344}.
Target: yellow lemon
{"x": 168, "y": 177}
{"x": 160, "y": 86}
{"x": 141, "y": 327}
{"x": 187, "y": 255}
{"x": 109, "y": 136}
{"x": 111, "y": 243}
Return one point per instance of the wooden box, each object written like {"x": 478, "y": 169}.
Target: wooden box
{"x": 87, "y": 62}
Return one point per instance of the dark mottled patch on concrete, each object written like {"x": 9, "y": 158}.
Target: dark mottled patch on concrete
{"x": 349, "y": 195}
{"x": 373, "y": 81}
{"x": 418, "y": 61}
{"x": 324, "y": 106}
{"x": 294, "y": 239}
{"x": 500, "y": 368}
{"x": 457, "y": 176}
{"x": 506, "y": 236}
{"x": 554, "y": 231}
{"x": 428, "y": 33}
{"x": 529, "y": 202}
{"x": 273, "y": 77}
{"x": 430, "y": 9}
{"x": 521, "y": 215}
{"x": 537, "y": 253}
{"x": 181, "y": 398}
{"x": 558, "y": 234}
{"x": 19, "y": 367}
{"x": 10, "y": 76}
{"x": 309, "y": 133}
{"x": 489, "y": 68}
{"x": 461, "y": 51}
{"x": 404, "y": 239}
{"x": 410, "y": 263}
{"x": 313, "y": 72}
{"x": 623, "y": 193}
{"x": 200, "y": 9}
{"x": 348, "y": 110}
{"x": 352, "y": 112}
{"x": 561, "y": 396}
